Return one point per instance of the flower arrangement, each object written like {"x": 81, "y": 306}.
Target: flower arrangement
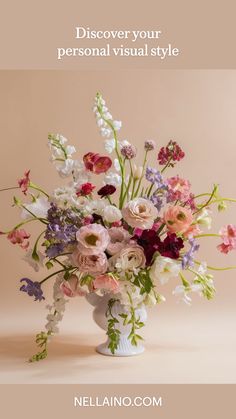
{"x": 124, "y": 239}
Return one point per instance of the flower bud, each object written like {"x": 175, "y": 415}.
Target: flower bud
{"x": 137, "y": 171}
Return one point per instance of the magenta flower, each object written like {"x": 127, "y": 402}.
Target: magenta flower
{"x": 96, "y": 163}
{"x": 24, "y": 182}
{"x": 172, "y": 152}
{"x": 85, "y": 189}
{"x": 228, "y": 235}
{"x": 19, "y": 237}
{"x": 178, "y": 189}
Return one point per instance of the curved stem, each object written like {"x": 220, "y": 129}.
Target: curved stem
{"x": 19, "y": 225}
{"x": 207, "y": 235}
{"x": 213, "y": 268}
{"x": 141, "y": 178}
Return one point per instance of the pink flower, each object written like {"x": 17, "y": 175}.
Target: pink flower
{"x": 85, "y": 189}
{"x": 19, "y": 237}
{"x": 93, "y": 239}
{"x": 178, "y": 219}
{"x": 140, "y": 213}
{"x": 71, "y": 287}
{"x": 192, "y": 231}
{"x": 178, "y": 188}
{"x": 92, "y": 264}
{"x": 96, "y": 163}
{"x": 24, "y": 182}
{"x": 228, "y": 235}
{"x": 106, "y": 282}
{"x": 119, "y": 237}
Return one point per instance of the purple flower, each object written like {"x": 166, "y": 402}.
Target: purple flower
{"x": 33, "y": 289}
{"x": 157, "y": 200}
{"x": 187, "y": 259}
{"x": 149, "y": 145}
{"x": 61, "y": 230}
{"x": 155, "y": 177}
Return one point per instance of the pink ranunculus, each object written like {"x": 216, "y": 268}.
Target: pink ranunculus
{"x": 119, "y": 237}
{"x": 178, "y": 219}
{"x": 140, "y": 213}
{"x": 96, "y": 163}
{"x": 106, "y": 282}
{"x": 19, "y": 237}
{"x": 24, "y": 182}
{"x": 92, "y": 264}
{"x": 92, "y": 239}
{"x": 71, "y": 287}
{"x": 228, "y": 235}
{"x": 178, "y": 189}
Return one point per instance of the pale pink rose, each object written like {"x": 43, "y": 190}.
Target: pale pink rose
{"x": 178, "y": 188}
{"x": 140, "y": 213}
{"x": 106, "y": 282}
{"x": 178, "y": 219}
{"x": 71, "y": 287}
{"x": 92, "y": 239}
{"x": 130, "y": 258}
{"x": 228, "y": 235}
{"x": 92, "y": 264}
{"x": 119, "y": 237}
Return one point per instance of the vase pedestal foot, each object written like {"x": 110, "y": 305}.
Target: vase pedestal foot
{"x": 124, "y": 349}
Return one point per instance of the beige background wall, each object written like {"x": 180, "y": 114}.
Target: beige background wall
{"x": 196, "y": 108}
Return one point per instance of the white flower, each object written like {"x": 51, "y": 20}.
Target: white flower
{"x": 111, "y": 214}
{"x": 80, "y": 174}
{"x": 109, "y": 145}
{"x": 117, "y": 125}
{"x": 65, "y": 168}
{"x": 116, "y": 165}
{"x": 95, "y": 206}
{"x": 181, "y": 292}
{"x": 36, "y": 265}
{"x": 163, "y": 269}
{"x": 38, "y": 208}
{"x": 137, "y": 171}
{"x": 204, "y": 218}
{"x": 130, "y": 258}
{"x": 105, "y": 132}
{"x": 56, "y": 310}
{"x": 128, "y": 290}
{"x": 112, "y": 178}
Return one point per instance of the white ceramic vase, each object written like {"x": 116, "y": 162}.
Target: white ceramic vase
{"x": 125, "y": 348}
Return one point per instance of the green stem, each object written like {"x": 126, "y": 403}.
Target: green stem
{"x": 141, "y": 178}
{"x": 37, "y": 188}
{"x": 42, "y": 220}
{"x": 19, "y": 225}
{"x": 36, "y": 244}
{"x": 207, "y": 235}
{"x": 129, "y": 184}
{"x": 213, "y": 268}
{"x": 55, "y": 273}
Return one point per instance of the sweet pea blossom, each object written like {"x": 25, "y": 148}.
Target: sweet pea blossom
{"x": 178, "y": 189}
{"x": 163, "y": 269}
{"x": 20, "y": 237}
{"x": 228, "y": 235}
{"x": 24, "y": 182}
{"x": 92, "y": 239}
{"x": 112, "y": 178}
{"x": 38, "y": 208}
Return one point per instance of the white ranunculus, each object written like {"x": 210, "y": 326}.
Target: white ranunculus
{"x": 112, "y": 178}
{"x": 111, "y": 214}
{"x": 131, "y": 258}
{"x": 38, "y": 208}
{"x": 163, "y": 269}
{"x": 109, "y": 145}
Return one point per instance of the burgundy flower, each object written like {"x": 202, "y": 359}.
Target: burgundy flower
{"x": 172, "y": 152}
{"x": 96, "y": 163}
{"x": 85, "y": 189}
{"x": 171, "y": 246}
{"x": 24, "y": 182}
{"x": 150, "y": 242}
{"x": 106, "y": 190}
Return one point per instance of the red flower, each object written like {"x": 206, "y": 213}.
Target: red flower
{"x": 172, "y": 152}
{"x": 96, "y": 163}
{"x": 106, "y": 190}
{"x": 24, "y": 182}
{"x": 85, "y": 189}
{"x": 19, "y": 237}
